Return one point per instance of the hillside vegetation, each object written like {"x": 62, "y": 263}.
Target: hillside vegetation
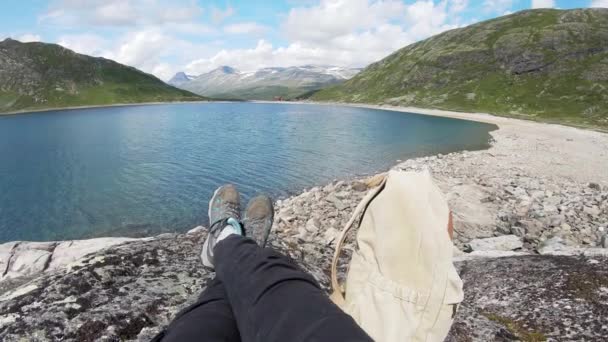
{"x": 39, "y": 75}
{"x": 549, "y": 65}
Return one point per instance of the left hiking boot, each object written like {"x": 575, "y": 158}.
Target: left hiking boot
{"x": 224, "y": 216}
{"x": 258, "y": 219}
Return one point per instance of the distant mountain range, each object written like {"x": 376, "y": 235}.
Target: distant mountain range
{"x": 262, "y": 84}
{"x": 39, "y": 75}
{"x": 542, "y": 64}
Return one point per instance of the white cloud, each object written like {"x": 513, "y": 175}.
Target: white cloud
{"x": 147, "y": 49}
{"x": 457, "y": 6}
{"x": 497, "y": 6}
{"x": 342, "y": 32}
{"x": 348, "y": 41}
{"x": 543, "y": 3}
{"x": 164, "y": 36}
{"x": 333, "y": 18}
{"x": 599, "y": 3}
{"x": 76, "y": 13}
{"x": 29, "y": 37}
{"x": 219, "y": 15}
{"x": 245, "y": 28}
{"x": 191, "y": 28}
{"x": 85, "y": 43}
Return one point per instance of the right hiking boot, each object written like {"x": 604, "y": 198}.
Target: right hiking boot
{"x": 224, "y": 219}
{"x": 258, "y": 219}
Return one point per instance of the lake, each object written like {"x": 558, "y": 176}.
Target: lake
{"x": 142, "y": 170}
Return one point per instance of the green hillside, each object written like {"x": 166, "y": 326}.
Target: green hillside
{"x": 39, "y": 75}
{"x": 549, "y": 65}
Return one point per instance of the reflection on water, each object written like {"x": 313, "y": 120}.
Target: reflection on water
{"x": 146, "y": 169}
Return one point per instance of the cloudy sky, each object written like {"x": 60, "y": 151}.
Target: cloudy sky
{"x": 166, "y": 36}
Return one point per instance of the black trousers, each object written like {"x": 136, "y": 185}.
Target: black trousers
{"x": 261, "y": 295}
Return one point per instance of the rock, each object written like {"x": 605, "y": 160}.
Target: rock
{"x": 558, "y": 246}
{"x": 532, "y": 298}
{"x": 594, "y": 186}
{"x": 336, "y": 202}
{"x": 6, "y": 252}
{"x": 359, "y": 186}
{"x": 29, "y": 258}
{"x": 69, "y": 251}
{"x": 499, "y": 243}
{"x": 471, "y": 219}
{"x": 196, "y": 230}
{"x": 592, "y": 211}
{"x": 518, "y": 231}
{"x": 145, "y": 283}
{"x": 331, "y": 235}
{"x": 487, "y": 254}
{"x": 594, "y": 252}
{"x": 313, "y": 225}
{"x": 604, "y": 241}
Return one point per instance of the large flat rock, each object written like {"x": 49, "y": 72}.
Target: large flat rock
{"x": 28, "y": 259}
{"x": 130, "y": 291}
{"x": 69, "y": 251}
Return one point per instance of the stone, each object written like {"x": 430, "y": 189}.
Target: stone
{"x": 592, "y": 211}
{"x": 499, "y": 243}
{"x": 518, "y": 231}
{"x": 530, "y": 298}
{"x": 29, "y": 258}
{"x": 487, "y": 254}
{"x": 359, "y": 186}
{"x": 594, "y": 186}
{"x": 6, "y": 252}
{"x": 313, "y": 225}
{"x": 69, "y": 251}
{"x": 471, "y": 219}
{"x": 554, "y": 246}
{"x": 196, "y": 230}
{"x": 595, "y": 252}
{"x": 335, "y": 201}
{"x": 331, "y": 235}
{"x": 604, "y": 241}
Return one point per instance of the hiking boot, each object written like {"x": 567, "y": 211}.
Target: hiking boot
{"x": 258, "y": 219}
{"x": 224, "y": 216}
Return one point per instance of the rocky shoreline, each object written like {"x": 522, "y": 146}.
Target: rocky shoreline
{"x": 538, "y": 199}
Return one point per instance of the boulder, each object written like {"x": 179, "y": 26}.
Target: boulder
{"x": 69, "y": 251}
{"x": 554, "y": 246}
{"x": 499, "y": 243}
{"x": 130, "y": 291}
{"x": 471, "y": 218}
{"x": 339, "y": 204}
{"x": 532, "y": 298}
{"x": 29, "y": 258}
{"x": 6, "y": 252}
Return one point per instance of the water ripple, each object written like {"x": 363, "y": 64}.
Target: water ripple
{"x": 149, "y": 169}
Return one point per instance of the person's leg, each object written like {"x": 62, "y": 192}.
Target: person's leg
{"x": 274, "y": 300}
{"x": 209, "y": 319}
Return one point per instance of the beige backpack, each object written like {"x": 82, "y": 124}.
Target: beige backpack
{"x": 401, "y": 283}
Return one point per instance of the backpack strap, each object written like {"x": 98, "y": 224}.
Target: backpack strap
{"x": 338, "y": 291}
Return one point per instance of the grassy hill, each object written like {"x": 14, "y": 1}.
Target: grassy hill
{"x": 39, "y": 75}
{"x": 549, "y": 65}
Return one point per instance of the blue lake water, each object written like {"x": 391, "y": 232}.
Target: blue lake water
{"x": 140, "y": 170}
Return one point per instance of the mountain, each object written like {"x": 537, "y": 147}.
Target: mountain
{"x": 262, "y": 84}
{"x": 180, "y": 77}
{"x": 549, "y": 65}
{"x": 39, "y": 75}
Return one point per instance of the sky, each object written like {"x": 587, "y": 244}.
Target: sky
{"x": 163, "y": 37}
